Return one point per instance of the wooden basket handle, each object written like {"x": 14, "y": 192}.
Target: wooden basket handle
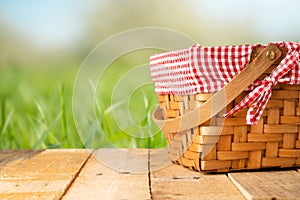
{"x": 216, "y": 103}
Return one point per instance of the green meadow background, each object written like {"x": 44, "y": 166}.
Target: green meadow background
{"x": 43, "y": 44}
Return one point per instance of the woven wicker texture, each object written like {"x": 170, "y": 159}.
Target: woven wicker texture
{"x": 224, "y": 144}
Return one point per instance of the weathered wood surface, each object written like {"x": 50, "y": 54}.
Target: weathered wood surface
{"x": 176, "y": 182}
{"x": 46, "y": 175}
{"x": 78, "y": 174}
{"x": 97, "y": 181}
{"x": 268, "y": 185}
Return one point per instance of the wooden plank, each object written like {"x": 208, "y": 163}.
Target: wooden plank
{"x": 7, "y": 156}
{"x": 44, "y": 176}
{"x": 97, "y": 181}
{"x": 268, "y": 185}
{"x": 52, "y": 173}
{"x": 177, "y": 182}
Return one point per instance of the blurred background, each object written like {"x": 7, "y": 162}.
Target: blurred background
{"x": 43, "y": 43}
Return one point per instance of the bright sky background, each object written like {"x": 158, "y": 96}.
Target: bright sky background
{"x": 46, "y": 22}
{"x": 271, "y": 19}
{"x": 54, "y": 22}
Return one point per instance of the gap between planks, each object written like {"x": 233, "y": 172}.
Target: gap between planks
{"x": 160, "y": 180}
{"x": 149, "y": 176}
{"x": 46, "y": 175}
{"x": 99, "y": 177}
{"x": 169, "y": 182}
{"x": 76, "y": 175}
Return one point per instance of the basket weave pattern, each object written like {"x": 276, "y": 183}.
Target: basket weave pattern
{"x": 225, "y": 144}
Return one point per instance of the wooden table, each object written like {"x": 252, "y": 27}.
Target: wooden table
{"x": 77, "y": 174}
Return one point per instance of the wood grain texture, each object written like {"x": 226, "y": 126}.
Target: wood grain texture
{"x": 75, "y": 174}
{"x": 44, "y": 176}
{"x": 176, "y": 182}
{"x": 97, "y": 181}
{"x": 7, "y": 156}
{"x": 268, "y": 185}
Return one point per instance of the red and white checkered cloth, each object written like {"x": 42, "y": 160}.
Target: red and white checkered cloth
{"x": 208, "y": 69}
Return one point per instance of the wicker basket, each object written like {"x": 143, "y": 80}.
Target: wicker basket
{"x": 226, "y": 144}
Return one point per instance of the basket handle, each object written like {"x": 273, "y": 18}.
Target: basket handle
{"x": 216, "y": 103}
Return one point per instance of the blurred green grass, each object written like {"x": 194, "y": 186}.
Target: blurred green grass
{"x": 36, "y": 111}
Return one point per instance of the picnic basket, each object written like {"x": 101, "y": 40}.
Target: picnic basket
{"x": 201, "y": 138}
